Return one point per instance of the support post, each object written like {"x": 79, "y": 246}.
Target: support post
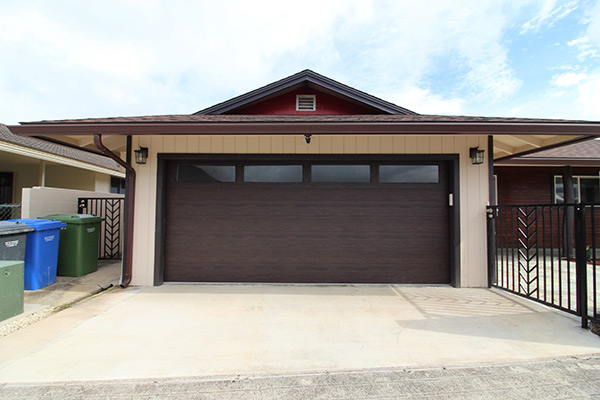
{"x": 491, "y": 180}
{"x": 491, "y": 215}
{"x": 491, "y": 245}
{"x": 42, "y": 174}
{"x": 581, "y": 264}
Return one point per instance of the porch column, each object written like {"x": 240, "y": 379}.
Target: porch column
{"x": 42, "y": 174}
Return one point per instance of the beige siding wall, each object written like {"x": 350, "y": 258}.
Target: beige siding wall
{"x": 62, "y": 176}
{"x": 102, "y": 183}
{"x": 473, "y": 182}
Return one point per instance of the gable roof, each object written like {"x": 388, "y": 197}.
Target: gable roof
{"x": 578, "y": 152}
{"x": 49, "y": 151}
{"x": 510, "y": 135}
{"x": 306, "y": 77}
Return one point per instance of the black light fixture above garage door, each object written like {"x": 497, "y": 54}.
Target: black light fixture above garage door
{"x": 476, "y": 155}
{"x": 141, "y": 155}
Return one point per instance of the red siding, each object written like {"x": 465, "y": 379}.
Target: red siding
{"x": 326, "y": 104}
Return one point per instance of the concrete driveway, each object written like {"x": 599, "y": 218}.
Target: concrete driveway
{"x": 206, "y": 330}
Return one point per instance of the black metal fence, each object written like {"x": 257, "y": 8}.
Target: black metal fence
{"x": 10, "y": 211}
{"x": 110, "y": 209}
{"x": 547, "y": 253}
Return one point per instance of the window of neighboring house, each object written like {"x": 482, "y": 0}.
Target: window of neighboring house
{"x": 6, "y": 187}
{"x": 495, "y": 189}
{"x": 586, "y": 188}
{"x": 117, "y": 185}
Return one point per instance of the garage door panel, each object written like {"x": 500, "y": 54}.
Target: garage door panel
{"x": 306, "y": 233}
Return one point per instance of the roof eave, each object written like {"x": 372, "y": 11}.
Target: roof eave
{"x": 292, "y": 128}
{"x": 58, "y": 159}
{"x": 549, "y": 161}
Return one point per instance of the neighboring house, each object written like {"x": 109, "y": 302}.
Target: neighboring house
{"x": 26, "y": 162}
{"x": 537, "y": 177}
{"x": 307, "y": 180}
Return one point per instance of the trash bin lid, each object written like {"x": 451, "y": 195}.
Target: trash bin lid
{"x": 74, "y": 218}
{"x": 40, "y": 224}
{"x": 12, "y": 227}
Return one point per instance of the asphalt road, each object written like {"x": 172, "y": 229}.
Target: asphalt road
{"x": 562, "y": 378}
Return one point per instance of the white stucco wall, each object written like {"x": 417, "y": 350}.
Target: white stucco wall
{"x": 473, "y": 182}
{"x": 40, "y": 201}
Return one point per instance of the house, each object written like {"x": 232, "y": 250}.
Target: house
{"x": 308, "y": 180}
{"x": 536, "y": 177}
{"x": 26, "y": 162}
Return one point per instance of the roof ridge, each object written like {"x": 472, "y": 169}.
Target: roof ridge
{"x": 310, "y": 76}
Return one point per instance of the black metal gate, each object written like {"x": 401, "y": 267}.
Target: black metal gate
{"x": 110, "y": 210}
{"x": 547, "y": 253}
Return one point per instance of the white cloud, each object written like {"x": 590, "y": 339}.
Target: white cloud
{"x": 424, "y": 101}
{"x": 576, "y": 100}
{"x": 568, "y": 79}
{"x": 548, "y": 15}
{"x": 585, "y": 47}
{"x": 135, "y": 57}
{"x": 588, "y": 100}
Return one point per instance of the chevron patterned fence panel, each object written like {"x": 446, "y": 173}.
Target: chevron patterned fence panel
{"x": 112, "y": 226}
{"x": 547, "y": 253}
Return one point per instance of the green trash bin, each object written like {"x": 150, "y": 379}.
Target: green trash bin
{"x": 11, "y": 288}
{"x": 78, "y": 245}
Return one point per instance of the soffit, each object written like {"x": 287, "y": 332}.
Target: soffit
{"x": 511, "y": 135}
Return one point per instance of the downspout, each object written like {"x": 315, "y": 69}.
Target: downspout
{"x": 129, "y": 209}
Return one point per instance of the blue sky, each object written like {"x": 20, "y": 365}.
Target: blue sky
{"x": 81, "y": 59}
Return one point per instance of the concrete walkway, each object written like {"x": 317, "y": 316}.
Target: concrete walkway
{"x": 565, "y": 378}
{"x": 175, "y": 331}
{"x": 41, "y": 303}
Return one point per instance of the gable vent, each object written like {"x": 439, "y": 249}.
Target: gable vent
{"x": 306, "y": 102}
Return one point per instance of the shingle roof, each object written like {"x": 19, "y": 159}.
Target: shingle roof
{"x": 54, "y": 148}
{"x": 589, "y": 149}
{"x": 366, "y": 118}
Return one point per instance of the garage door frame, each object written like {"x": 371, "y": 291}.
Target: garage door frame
{"x": 453, "y": 188}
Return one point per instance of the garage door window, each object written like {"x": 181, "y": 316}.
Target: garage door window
{"x": 409, "y": 174}
{"x": 341, "y": 173}
{"x": 273, "y": 173}
{"x": 191, "y": 173}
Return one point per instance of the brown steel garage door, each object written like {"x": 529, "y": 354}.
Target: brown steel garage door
{"x": 306, "y": 222}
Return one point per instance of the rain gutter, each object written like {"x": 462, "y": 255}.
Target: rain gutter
{"x": 129, "y": 209}
{"x": 316, "y": 127}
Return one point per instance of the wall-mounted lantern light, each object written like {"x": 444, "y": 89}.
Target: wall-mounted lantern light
{"x": 476, "y": 155}
{"x": 141, "y": 155}
{"x": 307, "y": 138}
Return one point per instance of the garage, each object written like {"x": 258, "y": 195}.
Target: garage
{"x": 311, "y": 219}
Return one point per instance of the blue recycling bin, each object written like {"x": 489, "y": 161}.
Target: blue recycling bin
{"x": 41, "y": 252}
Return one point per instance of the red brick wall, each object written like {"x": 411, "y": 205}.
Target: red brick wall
{"x": 535, "y": 185}
{"x": 531, "y": 185}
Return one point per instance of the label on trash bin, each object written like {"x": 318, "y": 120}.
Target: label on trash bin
{"x": 90, "y": 230}
{"x": 49, "y": 238}
{"x": 11, "y": 243}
